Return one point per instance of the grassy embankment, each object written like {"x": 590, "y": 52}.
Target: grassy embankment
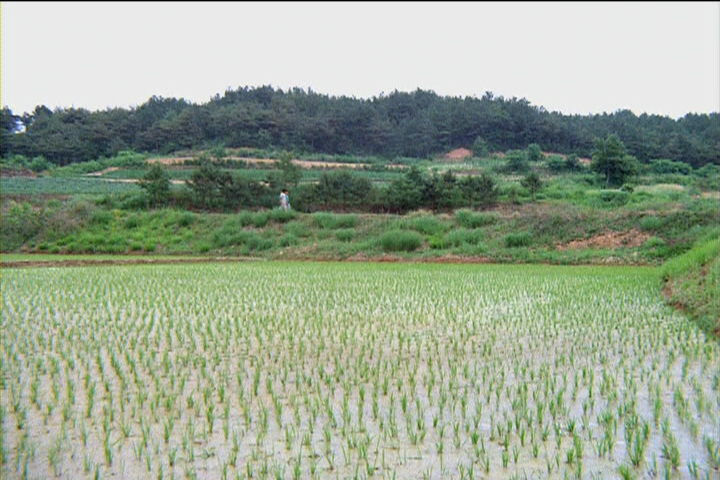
{"x": 558, "y": 233}
{"x": 692, "y": 283}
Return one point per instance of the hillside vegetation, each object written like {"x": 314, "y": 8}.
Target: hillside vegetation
{"x": 500, "y": 208}
{"x": 516, "y": 206}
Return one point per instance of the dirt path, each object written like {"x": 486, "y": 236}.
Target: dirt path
{"x": 120, "y": 260}
{"x": 64, "y": 261}
{"x": 267, "y": 161}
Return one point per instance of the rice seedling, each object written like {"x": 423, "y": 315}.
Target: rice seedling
{"x": 626, "y": 473}
{"x": 505, "y": 456}
{"x": 713, "y": 450}
{"x": 340, "y": 370}
{"x": 671, "y": 450}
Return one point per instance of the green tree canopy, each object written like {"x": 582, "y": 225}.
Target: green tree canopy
{"x": 291, "y": 173}
{"x": 535, "y": 153}
{"x": 480, "y": 190}
{"x": 480, "y": 148}
{"x": 156, "y": 183}
{"x": 532, "y": 183}
{"x": 611, "y": 161}
{"x": 210, "y": 184}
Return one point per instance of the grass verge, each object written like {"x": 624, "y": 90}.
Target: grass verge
{"x": 691, "y": 282}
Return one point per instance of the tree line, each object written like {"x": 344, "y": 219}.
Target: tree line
{"x": 212, "y": 188}
{"x": 418, "y": 124}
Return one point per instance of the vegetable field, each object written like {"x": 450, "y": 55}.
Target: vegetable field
{"x": 353, "y": 370}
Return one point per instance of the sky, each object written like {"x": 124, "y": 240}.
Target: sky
{"x": 575, "y": 58}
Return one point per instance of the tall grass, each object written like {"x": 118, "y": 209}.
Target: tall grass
{"x": 400, "y": 241}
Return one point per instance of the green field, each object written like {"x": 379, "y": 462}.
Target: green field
{"x": 353, "y": 370}
{"x": 25, "y": 186}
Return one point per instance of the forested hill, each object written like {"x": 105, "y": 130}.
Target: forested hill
{"x": 418, "y": 124}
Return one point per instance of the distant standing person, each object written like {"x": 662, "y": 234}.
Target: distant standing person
{"x": 285, "y": 199}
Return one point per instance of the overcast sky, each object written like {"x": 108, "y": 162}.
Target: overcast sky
{"x": 574, "y": 58}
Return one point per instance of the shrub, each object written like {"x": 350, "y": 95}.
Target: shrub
{"x": 556, "y": 163}
{"x": 20, "y": 223}
{"x": 251, "y": 219}
{"x": 322, "y": 219}
{"x": 470, "y": 219}
{"x": 132, "y": 222}
{"x": 127, "y": 158}
{"x": 522, "y": 239}
{"x": 516, "y": 161}
{"x": 179, "y": 218}
{"x": 437, "y": 243}
{"x": 257, "y": 242}
{"x": 245, "y": 218}
{"x": 664, "y": 166}
{"x": 185, "y": 219}
{"x": 333, "y": 221}
{"x": 260, "y": 219}
{"x": 228, "y": 234}
{"x": 298, "y": 229}
{"x": 613, "y": 198}
{"x": 101, "y": 217}
{"x": 400, "y": 241}
{"x": 249, "y": 241}
{"x": 655, "y": 247}
{"x": 512, "y": 192}
{"x": 132, "y": 201}
{"x": 651, "y": 223}
{"x": 428, "y": 225}
{"x": 345, "y": 234}
{"x": 565, "y": 190}
{"x": 463, "y": 236}
{"x": 288, "y": 240}
{"x": 39, "y": 164}
{"x": 281, "y": 216}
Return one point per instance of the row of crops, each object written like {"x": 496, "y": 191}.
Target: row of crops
{"x": 31, "y": 187}
{"x": 348, "y": 370}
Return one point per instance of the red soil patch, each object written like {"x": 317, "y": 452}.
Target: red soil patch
{"x": 265, "y": 161}
{"x": 170, "y": 160}
{"x": 458, "y": 154}
{"x": 610, "y": 240}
